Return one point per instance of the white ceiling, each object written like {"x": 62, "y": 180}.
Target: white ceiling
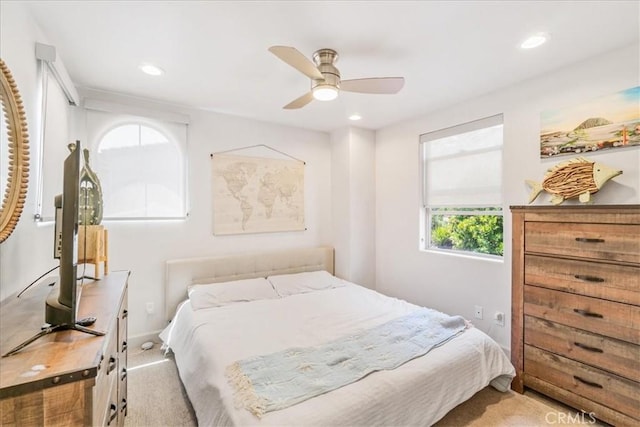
{"x": 215, "y": 55}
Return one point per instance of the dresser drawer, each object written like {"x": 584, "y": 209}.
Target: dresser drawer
{"x": 105, "y": 377}
{"x": 612, "y": 242}
{"x": 602, "y": 317}
{"x": 607, "y": 281}
{"x": 615, "y": 356}
{"x": 122, "y": 362}
{"x": 610, "y": 390}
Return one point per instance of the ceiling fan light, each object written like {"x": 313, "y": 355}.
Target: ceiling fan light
{"x": 325, "y": 93}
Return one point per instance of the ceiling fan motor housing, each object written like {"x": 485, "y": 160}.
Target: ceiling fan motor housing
{"x": 324, "y": 60}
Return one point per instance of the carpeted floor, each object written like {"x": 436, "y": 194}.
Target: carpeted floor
{"x": 152, "y": 401}
{"x": 155, "y": 396}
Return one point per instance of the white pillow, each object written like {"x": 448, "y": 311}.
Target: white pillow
{"x": 297, "y": 283}
{"x": 225, "y": 293}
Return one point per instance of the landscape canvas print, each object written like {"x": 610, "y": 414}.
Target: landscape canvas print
{"x": 257, "y": 195}
{"x": 607, "y": 123}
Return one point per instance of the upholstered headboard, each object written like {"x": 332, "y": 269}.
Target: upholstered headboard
{"x": 180, "y": 273}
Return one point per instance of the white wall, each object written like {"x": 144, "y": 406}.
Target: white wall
{"x": 353, "y": 189}
{"x": 453, "y": 283}
{"x": 143, "y": 247}
{"x": 28, "y": 252}
{"x": 341, "y": 208}
{"x": 339, "y": 174}
{"x": 362, "y": 215}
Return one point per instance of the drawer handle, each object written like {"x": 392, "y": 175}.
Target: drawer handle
{"x": 123, "y": 374}
{"x": 589, "y": 240}
{"x": 114, "y": 413}
{"x": 587, "y": 313}
{"x": 112, "y": 364}
{"x": 588, "y": 278}
{"x": 124, "y": 346}
{"x": 588, "y": 348}
{"x": 589, "y": 383}
{"x": 123, "y": 406}
{"x": 125, "y": 313}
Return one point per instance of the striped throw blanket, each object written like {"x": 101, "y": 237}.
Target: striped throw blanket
{"x": 278, "y": 380}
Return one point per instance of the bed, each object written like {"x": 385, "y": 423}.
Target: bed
{"x": 211, "y": 333}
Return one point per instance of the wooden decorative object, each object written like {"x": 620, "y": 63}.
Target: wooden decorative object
{"x": 15, "y": 192}
{"x": 95, "y": 239}
{"x": 91, "y": 194}
{"x": 577, "y": 177}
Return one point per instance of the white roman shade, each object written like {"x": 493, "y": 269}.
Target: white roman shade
{"x": 463, "y": 165}
{"x": 56, "y": 120}
{"x": 141, "y": 164}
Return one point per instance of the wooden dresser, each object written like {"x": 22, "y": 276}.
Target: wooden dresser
{"x": 576, "y": 307}
{"x": 66, "y": 378}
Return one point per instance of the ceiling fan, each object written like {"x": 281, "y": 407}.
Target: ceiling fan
{"x": 325, "y": 77}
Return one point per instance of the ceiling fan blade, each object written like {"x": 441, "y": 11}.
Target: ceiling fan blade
{"x": 373, "y": 85}
{"x": 299, "y": 102}
{"x": 297, "y": 60}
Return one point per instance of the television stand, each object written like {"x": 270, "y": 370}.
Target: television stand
{"x": 51, "y": 329}
{"x": 66, "y": 378}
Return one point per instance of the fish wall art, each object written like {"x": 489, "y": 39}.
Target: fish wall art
{"x": 578, "y": 177}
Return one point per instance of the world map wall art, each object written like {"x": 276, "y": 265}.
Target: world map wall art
{"x": 607, "y": 123}
{"x": 256, "y": 194}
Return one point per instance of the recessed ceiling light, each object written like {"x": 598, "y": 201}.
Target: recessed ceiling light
{"x": 354, "y": 117}
{"x": 151, "y": 69}
{"x": 534, "y": 41}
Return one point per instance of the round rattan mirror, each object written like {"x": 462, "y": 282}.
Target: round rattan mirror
{"x": 14, "y": 162}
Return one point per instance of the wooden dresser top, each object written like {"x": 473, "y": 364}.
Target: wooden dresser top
{"x": 625, "y": 214}
{"x": 68, "y": 355}
{"x": 604, "y": 208}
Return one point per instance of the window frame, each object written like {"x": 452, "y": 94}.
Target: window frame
{"x": 45, "y": 147}
{"x": 428, "y": 211}
{"x": 158, "y": 125}
{"x": 428, "y": 214}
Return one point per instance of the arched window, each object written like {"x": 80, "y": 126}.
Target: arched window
{"x": 142, "y": 172}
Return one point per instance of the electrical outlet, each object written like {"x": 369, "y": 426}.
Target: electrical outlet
{"x": 477, "y": 313}
{"x": 498, "y": 318}
{"x": 150, "y": 308}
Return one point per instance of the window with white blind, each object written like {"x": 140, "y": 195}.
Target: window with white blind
{"x": 56, "y": 120}
{"x": 141, "y": 164}
{"x": 462, "y": 188}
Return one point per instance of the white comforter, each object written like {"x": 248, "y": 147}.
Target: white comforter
{"x": 420, "y": 392}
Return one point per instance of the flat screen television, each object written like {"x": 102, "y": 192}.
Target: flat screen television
{"x": 61, "y": 305}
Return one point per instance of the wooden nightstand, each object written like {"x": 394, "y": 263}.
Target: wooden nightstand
{"x": 95, "y": 239}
